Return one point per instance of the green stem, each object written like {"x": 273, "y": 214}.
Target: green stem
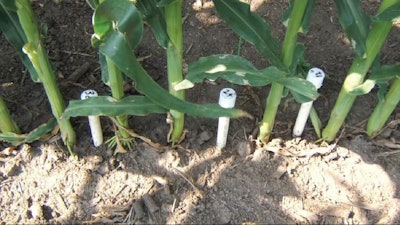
{"x": 271, "y": 108}
{"x": 38, "y": 56}
{"x": 116, "y": 83}
{"x": 53, "y": 93}
{"x": 173, "y": 15}
{"x": 384, "y": 109}
{"x": 7, "y": 123}
{"x": 288, "y": 49}
{"x": 316, "y": 122}
{"x": 356, "y": 75}
{"x": 345, "y": 100}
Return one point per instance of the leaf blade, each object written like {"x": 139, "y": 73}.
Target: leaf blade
{"x": 389, "y": 14}
{"x": 34, "y": 135}
{"x": 108, "y": 106}
{"x": 12, "y": 30}
{"x": 355, "y": 23}
{"x": 155, "y": 17}
{"x": 121, "y": 15}
{"x": 128, "y": 63}
{"x": 232, "y": 68}
{"x": 250, "y": 27}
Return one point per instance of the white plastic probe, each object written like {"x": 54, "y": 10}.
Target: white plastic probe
{"x": 315, "y": 76}
{"x": 94, "y": 121}
{"x": 227, "y": 99}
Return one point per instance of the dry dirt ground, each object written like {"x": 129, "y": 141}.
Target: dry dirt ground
{"x": 353, "y": 181}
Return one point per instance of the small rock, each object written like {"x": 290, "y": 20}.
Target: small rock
{"x": 93, "y": 162}
{"x": 243, "y": 149}
{"x": 36, "y": 210}
{"x": 197, "y": 6}
{"x": 342, "y": 152}
{"x": 103, "y": 169}
{"x": 26, "y": 153}
{"x": 204, "y": 136}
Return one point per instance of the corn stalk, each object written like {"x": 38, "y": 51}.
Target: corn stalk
{"x": 7, "y": 123}
{"x": 173, "y": 18}
{"x": 37, "y": 55}
{"x": 358, "y": 70}
{"x": 288, "y": 50}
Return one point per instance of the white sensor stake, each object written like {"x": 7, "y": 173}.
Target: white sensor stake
{"x": 315, "y": 76}
{"x": 227, "y": 99}
{"x": 94, "y": 121}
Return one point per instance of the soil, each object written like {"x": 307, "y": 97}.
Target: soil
{"x": 354, "y": 180}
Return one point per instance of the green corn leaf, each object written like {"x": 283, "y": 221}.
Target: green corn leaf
{"x": 7, "y": 122}
{"x": 382, "y": 75}
{"x": 389, "y": 14}
{"x": 384, "y": 109}
{"x": 116, "y": 14}
{"x": 382, "y": 90}
{"x": 121, "y": 15}
{"x": 10, "y": 5}
{"x": 316, "y": 122}
{"x": 155, "y": 17}
{"x": 385, "y": 73}
{"x": 28, "y": 21}
{"x": 12, "y": 30}
{"x": 232, "y": 68}
{"x": 116, "y": 48}
{"x": 355, "y": 23}
{"x": 163, "y": 3}
{"x": 238, "y": 70}
{"x": 12, "y": 138}
{"x": 108, "y": 106}
{"x": 364, "y": 88}
{"x": 104, "y": 69}
{"x": 298, "y": 56}
{"x": 250, "y": 27}
{"x": 34, "y": 135}
{"x": 301, "y": 89}
{"x": 43, "y": 129}
{"x": 306, "y": 18}
{"x": 379, "y": 76}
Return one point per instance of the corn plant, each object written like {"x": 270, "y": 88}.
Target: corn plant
{"x": 367, "y": 34}
{"x": 7, "y": 123}
{"x": 388, "y": 101}
{"x": 165, "y": 19}
{"x": 20, "y": 26}
{"x": 114, "y": 26}
{"x": 113, "y": 77}
{"x": 283, "y": 71}
{"x": 173, "y": 19}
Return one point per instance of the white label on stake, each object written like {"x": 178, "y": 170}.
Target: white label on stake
{"x": 94, "y": 121}
{"x": 227, "y": 99}
{"x": 88, "y": 93}
{"x": 315, "y": 76}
